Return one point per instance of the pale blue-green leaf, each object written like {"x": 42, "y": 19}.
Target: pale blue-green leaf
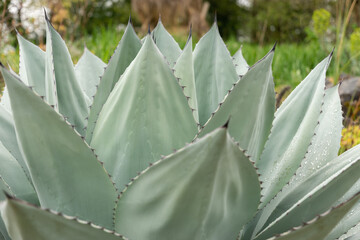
{"x": 293, "y": 128}
{"x": 300, "y": 208}
{"x": 13, "y": 174}
{"x": 250, "y": 106}
{"x": 352, "y": 234}
{"x": 324, "y": 148}
{"x": 3, "y": 232}
{"x": 319, "y": 227}
{"x": 241, "y": 65}
{"x": 166, "y": 43}
{"x": 206, "y": 190}
{"x": 60, "y": 162}
{"x": 88, "y": 71}
{"x": 351, "y": 218}
{"x": 32, "y": 65}
{"x": 5, "y": 100}
{"x": 9, "y": 139}
{"x": 146, "y": 115}
{"x": 184, "y": 69}
{"x": 356, "y": 236}
{"x": 296, "y": 192}
{"x": 62, "y": 87}
{"x": 4, "y": 187}
{"x": 12, "y": 71}
{"x": 124, "y": 54}
{"x": 25, "y": 221}
{"x": 325, "y": 144}
{"x": 214, "y": 72}
{"x": 50, "y": 81}
{"x": 347, "y": 223}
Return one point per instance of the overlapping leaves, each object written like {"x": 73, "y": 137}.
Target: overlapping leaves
{"x": 143, "y": 109}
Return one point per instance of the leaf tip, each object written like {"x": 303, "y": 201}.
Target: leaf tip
{"x": 190, "y": 34}
{"x": 273, "y": 48}
{"x": 226, "y": 125}
{"x": 8, "y": 195}
{"x": 332, "y": 52}
{"x": 46, "y": 16}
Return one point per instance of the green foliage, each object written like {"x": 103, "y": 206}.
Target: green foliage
{"x": 249, "y": 168}
{"x": 283, "y": 21}
{"x": 321, "y": 20}
{"x": 81, "y": 17}
{"x": 230, "y": 17}
{"x": 355, "y": 42}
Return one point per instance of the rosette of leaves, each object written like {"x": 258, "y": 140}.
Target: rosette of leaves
{"x": 89, "y": 157}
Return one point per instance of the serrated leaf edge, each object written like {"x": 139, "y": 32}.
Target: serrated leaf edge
{"x": 78, "y": 134}
{"x": 48, "y": 23}
{"x": 229, "y": 92}
{"x": 348, "y": 229}
{"x": 67, "y": 217}
{"x": 100, "y": 80}
{"x": 293, "y": 229}
{"x": 306, "y": 197}
{"x": 132, "y": 180}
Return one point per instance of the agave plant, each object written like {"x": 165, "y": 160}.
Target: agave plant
{"x": 84, "y": 157}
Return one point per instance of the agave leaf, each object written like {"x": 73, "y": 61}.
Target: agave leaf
{"x": 351, "y": 218}
{"x": 56, "y": 155}
{"x": 62, "y": 87}
{"x": 241, "y": 65}
{"x": 4, "y": 187}
{"x": 208, "y": 190}
{"x": 293, "y": 128}
{"x": 88, "y": 71}
{"x": 251, "y": 107}
{"x": 325, "y": 144}
{"x": 352, "y": 234}
{"x": 184, "y": 70}
{"x": 214, "y": 72}
{"x": 8, "y": 138}
{"x": 3, "y": 232}
{"x": 356, "y": 236}
{"x": 23, "y": 220}
{"x": 324, "y": 147}
{"x": 323, "y": 174}
{"x": 32, "y": 65}
{"x": 50, "y": 78}
{"x": 12, "y": 173}
{"x": 124, "y": 54}
{"x": 166, "y": 43}
{"x": 319, "y": 227}
{"x": 136, "y": 124}
{"x": 5, "y": 100}
{"x": 301, "y": 208}
{"x": 347, "y": 222}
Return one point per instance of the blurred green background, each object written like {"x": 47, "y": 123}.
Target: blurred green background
{"x": 306, "y": 31}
